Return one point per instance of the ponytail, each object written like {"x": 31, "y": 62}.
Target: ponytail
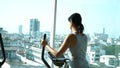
{"x": 81, "y": 28}
{"x": 77, "y": 20}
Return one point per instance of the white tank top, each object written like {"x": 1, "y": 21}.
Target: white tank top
{"x": 78, "y": 52}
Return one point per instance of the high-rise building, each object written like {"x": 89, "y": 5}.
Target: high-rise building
{"x": 34, "y": 27}
{"x": 20, "y": 29}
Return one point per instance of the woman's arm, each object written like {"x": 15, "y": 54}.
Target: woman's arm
{"x": 69, "y": 41}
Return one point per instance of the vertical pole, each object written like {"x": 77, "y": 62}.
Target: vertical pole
{"x": 54, "y": 25}
{"x": 52, "y": 35}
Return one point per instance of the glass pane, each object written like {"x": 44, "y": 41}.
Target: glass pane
{"x": 101, "y": 21}
{"x": 22, "y": 24}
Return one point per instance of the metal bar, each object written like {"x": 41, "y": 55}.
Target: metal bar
{"x": 52, "y": 37}
{"x": 45, "y": 62}
{"x": 43, "y": 52}
{"x": 3, "y": 51}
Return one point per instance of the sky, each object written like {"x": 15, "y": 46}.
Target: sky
{"x": 96, "y": 15}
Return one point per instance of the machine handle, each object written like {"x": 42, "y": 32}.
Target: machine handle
{"x": 44, "y": 38}
{"x": 43, "y": 50}
{"x": 3, "y": 51}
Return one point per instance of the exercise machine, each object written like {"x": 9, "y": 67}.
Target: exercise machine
{"x": 61, "y": 61}
{"x": 3, "y": 51}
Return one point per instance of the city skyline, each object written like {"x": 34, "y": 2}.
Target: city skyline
{"x": 96, "y": 15}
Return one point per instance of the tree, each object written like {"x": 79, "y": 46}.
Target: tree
{"x": 113, "y": 50}
{"x": 110, "y": 50}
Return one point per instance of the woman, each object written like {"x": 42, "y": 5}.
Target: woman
{"x": 76, "y": 42}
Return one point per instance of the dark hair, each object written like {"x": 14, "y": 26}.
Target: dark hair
{"x": 77, "y": 20}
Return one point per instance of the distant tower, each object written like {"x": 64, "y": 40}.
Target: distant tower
{"x": 103, "y": 30}
{"x": 20, "y": 29}
{"x": 34, "y": 27}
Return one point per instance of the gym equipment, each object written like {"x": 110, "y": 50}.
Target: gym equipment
{"x": 60, "y": 61}
{"x": 3, "y": 51}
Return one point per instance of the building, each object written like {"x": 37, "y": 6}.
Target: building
{"x": 3, "y": 31}
{"x": 34, "y": 28}
{"x": 101, "y": 36}
{"x": 109, "y": 60}
{"x": 11, "y": 44}
{"x": 17, "y": 53}
{"x": 94, "y": 53}
{"x": 20, "y": 29}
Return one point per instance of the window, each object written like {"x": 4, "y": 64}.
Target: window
{"x": 35, "y": 17}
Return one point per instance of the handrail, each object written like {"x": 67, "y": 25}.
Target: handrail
{"x": 3, "y": 51}
{"x": 43, "y": 50}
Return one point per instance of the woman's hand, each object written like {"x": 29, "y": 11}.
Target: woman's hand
{"x": 44, "y": 42}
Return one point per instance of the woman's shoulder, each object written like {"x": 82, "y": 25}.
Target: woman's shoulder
{"x": 74, "y": 36}
{"x": 72, "y": 39}
{"x": 71, "y": 36}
